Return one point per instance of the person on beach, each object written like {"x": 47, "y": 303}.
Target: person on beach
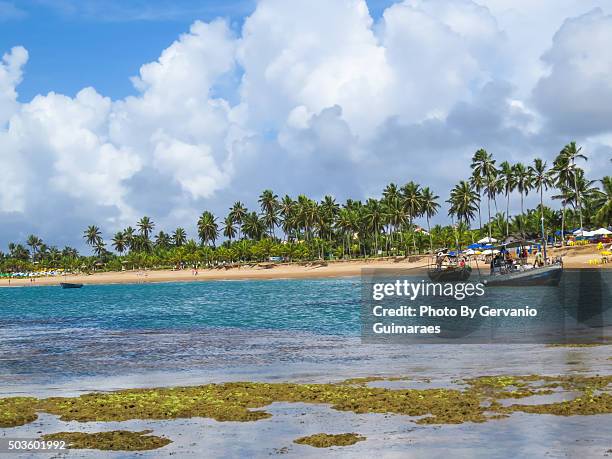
{"x": 539, "y": 259}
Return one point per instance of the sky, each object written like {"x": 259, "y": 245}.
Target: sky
{"x": 111, "y": 110}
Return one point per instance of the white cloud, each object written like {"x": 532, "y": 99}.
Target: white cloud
{"x": 314, "y": 54}
{"x": 576, "y": 95}
{"x": 329, "y": 102}
{"x": 11, "y": 74}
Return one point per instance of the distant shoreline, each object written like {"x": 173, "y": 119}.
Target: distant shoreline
{"x": 258, "y": 272}
{"x": 574, "y": 258}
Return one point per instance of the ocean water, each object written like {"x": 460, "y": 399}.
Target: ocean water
{"x": 106, "y": 337}
{"x": 326, "y": 306}
{"x": 218, "y": 329}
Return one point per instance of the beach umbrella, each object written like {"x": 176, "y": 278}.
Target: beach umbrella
{"x": 487, "y": 240}
{"x": 474, "y": 246}
{"x": 602, "y": 232}
{"x": 583, "y": 232}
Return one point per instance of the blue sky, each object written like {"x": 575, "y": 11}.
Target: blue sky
{"x": 101, "y": 43}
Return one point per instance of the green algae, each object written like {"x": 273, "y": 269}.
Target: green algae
{"x": 245, "y": 401}
{"x": 116, "y": 440}
{"x": 17, "y": 411}
{"x": 239, "y": 401}
{"x": 323, "y": 440}
{"x": 587, "y": 404}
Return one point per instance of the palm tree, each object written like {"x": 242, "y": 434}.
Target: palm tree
{"x": 145, "y": 226}
{"x": 429, "y": 207}
{"x": 483, "y": 167}
{"x": 287, "y": 210}
{"x": 229, "y": 230}
{"x": 507, "y": 175}
{"x": 162, "y": 240}
{"x": 570, "y": 154}
{"x": 374, "y": 218}
{"x": 34, "y": 242}
{"x": 603, "y": 202}
{"x": 269, "y": 207}
{"x": 92, "y": 235}
{"x": 346, "y": 224}
{"x": 411, "y": 198}
{"x": 120, "y": 242}
{"x": 208, "y": 230}
{"x": 522, "y": 181}
{"x": 179, "y": 237}
{"x": 129, "y": 234}
{"x": 541, "y": 180}
{"x": 478, "y": 185}
{"x": 463, "y": 202}
{"x": 99, "y": 247}
{"x": 253, "y": 226}
{"x": 238, "y": 212}
{"x": 391, "y": 192}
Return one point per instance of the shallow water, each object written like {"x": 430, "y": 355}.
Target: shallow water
{"x": 65, "y": 342}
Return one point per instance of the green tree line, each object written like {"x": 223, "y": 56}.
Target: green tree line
{"x": 396, "y": 224}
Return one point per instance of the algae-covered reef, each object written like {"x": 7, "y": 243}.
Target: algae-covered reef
{"x": 323, "y": 440}
{"x": 477, "y": 401}
{"x": 116, "y": 440}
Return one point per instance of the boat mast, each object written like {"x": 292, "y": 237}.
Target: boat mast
{"x": 543, "y": 238}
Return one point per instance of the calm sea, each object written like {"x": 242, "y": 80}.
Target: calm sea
{"x": 221, "y": 329}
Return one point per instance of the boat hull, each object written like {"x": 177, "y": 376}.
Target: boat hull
{"x": 450, "y": 275}
{"x": 546, "y": 276}
{"x": 69, "y": 285}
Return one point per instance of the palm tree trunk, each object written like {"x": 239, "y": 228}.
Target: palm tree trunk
{"x": 578, "y": 199}
{"x": 375, "y": 240}
{"x": 489, "y": 210}
{"x": 430, "y": 238}
{"x": 413, "y": 232}
{"x": 563, "y": 226}
{"x": 542, "y": 222}
{"x": 507, "y": 214}
{"x": 521, "y": 221}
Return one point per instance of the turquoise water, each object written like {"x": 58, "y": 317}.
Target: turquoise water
{"x": 48, "y": 334}
{"x": 328, "y": 306}
{"x": 106, "y": 337}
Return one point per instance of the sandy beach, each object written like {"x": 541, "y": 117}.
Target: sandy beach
{"x": 574, "y": 257}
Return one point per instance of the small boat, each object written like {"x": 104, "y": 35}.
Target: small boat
{"x": 450, "y": 273}
{"x": 70, "y": 285}
{"x": 549, "y": 275}
{"x": 448, "y": 268}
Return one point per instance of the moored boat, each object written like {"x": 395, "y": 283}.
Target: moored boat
{"x": 450, "y": 274}
{"x": 449, "y": 267}
{"x": 70, "y": 285}
{"x": 549, "y": 275}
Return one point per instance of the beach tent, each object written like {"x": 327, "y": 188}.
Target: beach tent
{"x": 487, "y": 240}
{"x": 584, "y": 233}
{"x": 601, "y": 232}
